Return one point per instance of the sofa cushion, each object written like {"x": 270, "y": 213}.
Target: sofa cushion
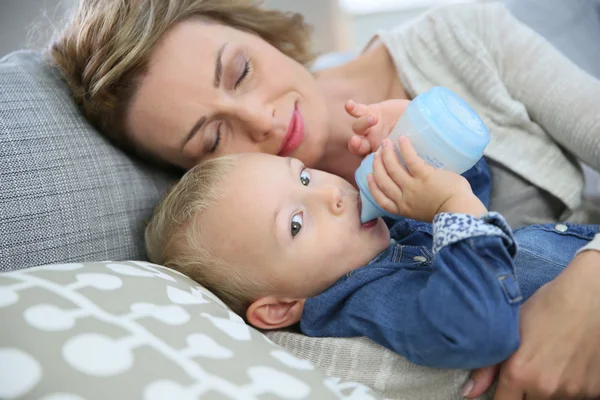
{"x": 133, "y": 330}
{"x": 66, "y": 193}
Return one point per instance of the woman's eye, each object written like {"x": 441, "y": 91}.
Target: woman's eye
{"x": 243, "y": 75}
{"x": 305, "y": 177}
{"x": 215, "y": 145}
{"x": 296, "y": 224}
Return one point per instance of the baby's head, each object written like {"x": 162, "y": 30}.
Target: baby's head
{"x": 263, "y": 233}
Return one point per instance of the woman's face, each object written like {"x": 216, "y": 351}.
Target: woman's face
{"x": 212, "y": 90}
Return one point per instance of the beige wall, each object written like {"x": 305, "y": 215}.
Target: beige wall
{"x": 329, "y": 23}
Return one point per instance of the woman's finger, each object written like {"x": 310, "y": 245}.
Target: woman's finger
{"x": 392, "y": 164}
{"x": 361, "y": 125}
{"x": 384, "y": 181}
{"x": 355, "y": 109}
{"x": 415, "y": 164}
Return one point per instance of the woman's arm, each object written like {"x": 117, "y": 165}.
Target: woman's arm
{"x": 559, "y": 96}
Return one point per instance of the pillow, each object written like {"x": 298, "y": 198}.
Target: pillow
{"x": 133, "y": 330}
{"x": 361, "y": 359}
{"x": 66, "y": 193}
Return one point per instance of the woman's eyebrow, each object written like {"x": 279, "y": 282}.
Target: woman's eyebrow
{"x": 216, "y": 83}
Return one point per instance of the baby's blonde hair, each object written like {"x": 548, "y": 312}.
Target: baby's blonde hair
{"x": 175, "y": 236}
{"x": 106, "y": 48}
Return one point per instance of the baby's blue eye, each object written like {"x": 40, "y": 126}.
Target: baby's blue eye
{"x": 296, "y": 224}
{"x": 305, "y": 177}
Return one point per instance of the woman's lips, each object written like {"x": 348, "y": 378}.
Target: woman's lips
{"x": 294, "y": 135}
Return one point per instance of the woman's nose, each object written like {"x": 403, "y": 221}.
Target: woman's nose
{"x": 257, "y": 120}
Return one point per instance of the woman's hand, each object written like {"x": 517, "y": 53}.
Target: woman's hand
{"x": 373, "y": 123}
{"x": 559, "y": 356}
{"x": 419, "y": 190}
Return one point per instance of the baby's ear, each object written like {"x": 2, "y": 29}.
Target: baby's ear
{"x": 272, "y": 312}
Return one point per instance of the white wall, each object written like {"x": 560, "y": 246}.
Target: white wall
{"x": 345, "y": 27}
{"x": 29, "y": 23}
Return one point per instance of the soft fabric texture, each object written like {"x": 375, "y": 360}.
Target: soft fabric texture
{"x": 574, "y": 28}
{"x": 385, "y": 371}
{"x": 66, "y": 193}
{"x": 134, "y": 330}
{"x": 521, "y": 86}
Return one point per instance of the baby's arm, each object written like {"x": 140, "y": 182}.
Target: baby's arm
{"x": 374, "y": 122}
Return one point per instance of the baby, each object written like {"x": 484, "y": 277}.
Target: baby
{"x": 283, "y": 244}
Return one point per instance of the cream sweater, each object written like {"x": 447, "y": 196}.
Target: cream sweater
{"x": 542, "y": 111}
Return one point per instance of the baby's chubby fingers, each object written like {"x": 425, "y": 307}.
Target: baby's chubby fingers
{"x": 355, "y": 109}
{"x": 415, "y": 164}
{"x": 384, "y": 202}
{"x": 383, "y": 179}
{"x": 359, "y": 146}
{"x": 361, "y": 125}
{"x": 393, "y": 166}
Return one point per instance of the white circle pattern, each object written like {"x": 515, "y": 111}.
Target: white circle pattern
{"x": 97, "y": 355}
{"x": 19, "y": 373}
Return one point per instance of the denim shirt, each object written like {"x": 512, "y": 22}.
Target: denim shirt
{"x": 445, "y": 294}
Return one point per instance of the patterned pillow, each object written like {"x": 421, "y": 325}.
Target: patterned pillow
{"x": 133, "y": 330}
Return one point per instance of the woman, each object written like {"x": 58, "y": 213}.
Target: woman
{"x": 180, "y": 81}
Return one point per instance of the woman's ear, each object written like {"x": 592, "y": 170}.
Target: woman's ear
{"x": 271, "y": 312}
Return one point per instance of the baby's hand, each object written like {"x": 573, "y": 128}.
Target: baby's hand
{"x": 422, "y": 191}
{"x": 373, "y": 123}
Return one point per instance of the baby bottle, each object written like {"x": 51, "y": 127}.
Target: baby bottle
{"x": 444, "y": 130}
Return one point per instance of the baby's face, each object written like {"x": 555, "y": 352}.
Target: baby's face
{"x": 297, "y": 229}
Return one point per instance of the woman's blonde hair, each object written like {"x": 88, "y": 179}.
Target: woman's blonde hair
{"x": 175, "y": 236}
{"x": 106, "y": 47}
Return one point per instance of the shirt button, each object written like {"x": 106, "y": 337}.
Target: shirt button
{"x": 420, "y": 258}
{"x": 561, "y": 227}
